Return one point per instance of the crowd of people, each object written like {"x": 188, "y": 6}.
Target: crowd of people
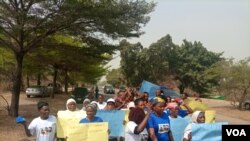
{"x": 148, "y": 119}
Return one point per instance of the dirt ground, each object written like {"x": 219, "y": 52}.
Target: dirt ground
{"x": 10, "y": 131}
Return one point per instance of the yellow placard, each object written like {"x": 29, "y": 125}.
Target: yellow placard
{"x": 197, "y": 105}
{"x": 88, "y": 132}
{"x": 126, "y": 115}
{"x": 65, "y": 119}
{"x": 210, "y": 116}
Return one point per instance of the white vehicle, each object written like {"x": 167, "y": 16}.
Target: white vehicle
{"x": 37, "y": 91}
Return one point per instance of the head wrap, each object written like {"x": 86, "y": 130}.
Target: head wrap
{"x": 172, "y": 105}
{"x": 41, "y": 104}
{"x": 156, "y": 100}
{"x": 93, "y": 106}
{"x": 86, "y": 100}
{"x": 69, "y": 101}
{"x": 178, "y": 100}
{"x": 194, "y": 117}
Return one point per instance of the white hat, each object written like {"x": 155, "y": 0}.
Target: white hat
{"x": 111, "y": 100}
{"x": 131, "y": 105}
{"x": 69, "y": 101}
{"x": 86, "y": 100}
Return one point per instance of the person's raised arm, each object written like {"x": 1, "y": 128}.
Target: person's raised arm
{"x": 27, "y": 131}
{"x": 143, "y": 124}
{"x": 189, "y": 109}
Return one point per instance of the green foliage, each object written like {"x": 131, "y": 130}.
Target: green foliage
{"x": 235, "y": 80}
{"x": 115, "y": 77}
{"x": 7, "y": 64}
{"x": 191, "y": 64}
{"x": 194, "y": 65}
{"x": 27, "y": 25}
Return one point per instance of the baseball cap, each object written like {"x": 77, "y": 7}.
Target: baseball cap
{"x": 131, "y": 105}
{"x": 111, "y": 100}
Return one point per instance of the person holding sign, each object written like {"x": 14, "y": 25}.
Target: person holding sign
{"x": 158, "y": 123}
{"x": 44, "y": 126}
{"x": 71, "y": 105}
{"x": 91, "y": 112}
{"x": 197, "y": 117}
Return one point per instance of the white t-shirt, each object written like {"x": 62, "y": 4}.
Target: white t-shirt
{"x": 187, "y": 131}
{"x": 129, "y": 133}
{"x": 101, "y": 106}
{"x": 43, "y": 129}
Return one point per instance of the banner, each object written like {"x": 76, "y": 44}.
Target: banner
{"x": 177, "y": 126}
{"x": 67, "y": 118}
{"x": 115, "y": 118}
{"x": 88, "y": 132}
{"x": 149, "y": 87}
{"x": 196, "y": 105}
{"x": 207, "y": 131}
{"x": 210, "y": 116}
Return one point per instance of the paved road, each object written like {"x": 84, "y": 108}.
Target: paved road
{"x": 230, "y": 120}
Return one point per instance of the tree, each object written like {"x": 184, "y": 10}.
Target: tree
{"x": 130, "y": 62}
{"x": 114, "y": 77}
{"x": 24, "y": 25}
{"x": 193, "y": 65}
{"x": 235, "y": 80}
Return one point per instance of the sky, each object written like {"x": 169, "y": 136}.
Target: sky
{"x": 220, "y": 25}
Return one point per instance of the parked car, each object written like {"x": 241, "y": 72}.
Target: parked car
{"x": 58, "y": 88}
{"x": 122, "y": 88}
{"x": 109, "y": 89}
{"x": 247, "y": 104}
{"x": 37, "y": 91}
{"x": 79, "y": 94}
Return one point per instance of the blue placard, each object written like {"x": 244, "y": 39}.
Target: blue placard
{"x": 115, "y": 119}
{"x": 177, "y": 126}
{"x": 207, "y": 131}
{"x": 149, "y": 87}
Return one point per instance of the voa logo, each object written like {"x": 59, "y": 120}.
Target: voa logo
{"x": 236, "y": 132}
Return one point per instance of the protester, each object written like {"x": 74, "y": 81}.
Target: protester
{"x": 110, "y": 104}
{"x": 91, "y": 110}
{"x": 71, "y": 105}
{"x": 120, "y": 104}
{"x": 85, "y": 103}
{"x": 197, "y": 117}
{"x": 135, "y": 128}
{"x": 145, "y": 97}
{"x": 139, "y": 103}
{"x": 101, "y": 103}
{"x": 158, "y": 93}
{"x": 168, "y": 99}
{"x": 44, "y": 126}
{"x": 158, "y": 125}
{"x": 183, "y": 112}
{"x": 173, "y": 110}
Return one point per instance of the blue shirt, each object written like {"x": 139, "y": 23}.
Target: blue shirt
{"x": 161, "y": 125}
{"x": 182, "y": 113}
{"x": 96, "y": 119}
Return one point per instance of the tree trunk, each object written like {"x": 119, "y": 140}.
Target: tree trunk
{"x": 27, "y": 81}
{"x": 243, "y": 96}
{"x": 39, "y": 79}
{"x": 54, "y": 82}
{"x": 16, "y": 85}
{"x": 66, "y": 81}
